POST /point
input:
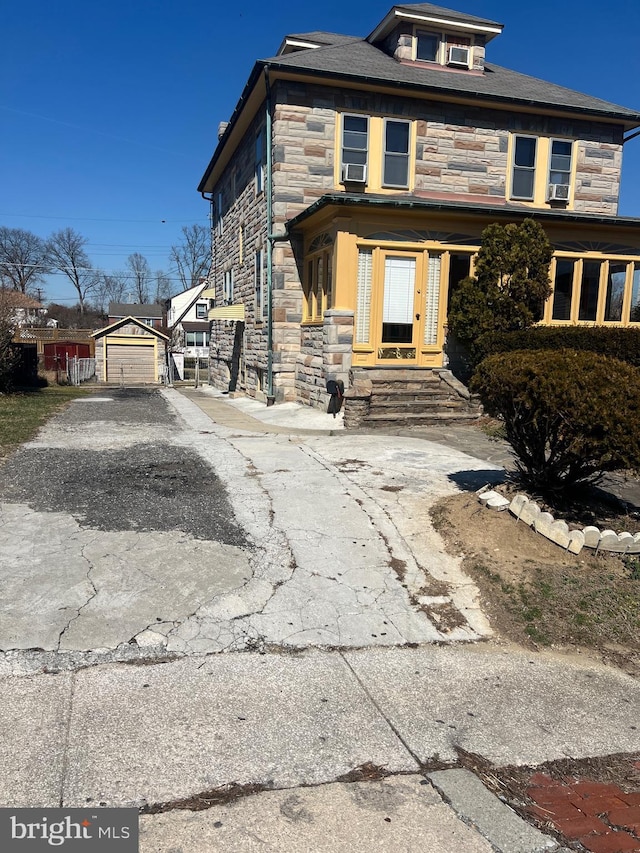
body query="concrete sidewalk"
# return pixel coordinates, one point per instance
(153, 736)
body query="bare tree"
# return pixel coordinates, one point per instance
(67, 255)
(140, 276)
(23, 259)
(112, 287)
(163, 287)
(192, 256)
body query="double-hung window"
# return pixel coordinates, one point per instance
(395, 169)
(524, 168)
(375, 152)
(541, 169)
(355, 146)
(201, 311)
(560, 167)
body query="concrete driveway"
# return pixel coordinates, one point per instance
(147, 527)
(134, 526)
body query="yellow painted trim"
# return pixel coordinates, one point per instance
(541, 170)
(227, 312)
(208, 293)
(375, 158)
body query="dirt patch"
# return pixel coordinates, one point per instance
(536, 594)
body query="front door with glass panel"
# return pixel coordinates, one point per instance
(398, 334)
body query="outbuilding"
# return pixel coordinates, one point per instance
(130, 352)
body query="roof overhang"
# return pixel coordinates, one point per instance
(107, 330)
(345, 204)
(290, 45)
(227, 312)
(489, 29)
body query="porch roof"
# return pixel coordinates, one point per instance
(417, 203)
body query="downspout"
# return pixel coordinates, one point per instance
(271, 237)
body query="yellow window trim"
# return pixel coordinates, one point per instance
(375, 151)
(541, 169)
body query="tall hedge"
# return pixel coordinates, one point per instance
(616, 342)
(569, 416)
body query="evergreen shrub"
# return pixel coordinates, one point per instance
(569, 416)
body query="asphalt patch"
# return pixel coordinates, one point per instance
(144, 487)
(128, 406)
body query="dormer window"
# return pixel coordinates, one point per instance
(427, 46)
(442, 48)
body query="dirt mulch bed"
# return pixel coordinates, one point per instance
(536, 594)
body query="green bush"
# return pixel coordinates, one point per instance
(616, 342)
(510, 285)
(569, 416)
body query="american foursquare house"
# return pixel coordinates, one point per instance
(349, 191)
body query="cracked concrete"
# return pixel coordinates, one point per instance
(202, 539)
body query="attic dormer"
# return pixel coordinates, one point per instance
(429, 35)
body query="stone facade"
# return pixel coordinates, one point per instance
(460, 150)
(461, 154)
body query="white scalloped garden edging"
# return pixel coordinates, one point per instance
(544, 523)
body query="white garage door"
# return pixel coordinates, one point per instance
(130, 364)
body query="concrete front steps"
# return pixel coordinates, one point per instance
(406, 397)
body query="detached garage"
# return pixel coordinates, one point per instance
(130, 352)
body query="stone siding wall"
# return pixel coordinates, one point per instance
(325, 353)
(237, 350)
(460, 151)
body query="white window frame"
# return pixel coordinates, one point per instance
(394, 154)
(569, 174)
(532, 169)
(367, 118)
(227, 287)
(201, 310)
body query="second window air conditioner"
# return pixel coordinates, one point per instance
(355, 173)
(459, 56)
(559, 192)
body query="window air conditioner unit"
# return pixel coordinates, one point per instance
(459, 56)
(355, 173)
(559, 192)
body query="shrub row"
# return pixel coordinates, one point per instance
(623, 344)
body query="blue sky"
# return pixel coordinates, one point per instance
(109, 110)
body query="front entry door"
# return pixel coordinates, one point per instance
(398, 338)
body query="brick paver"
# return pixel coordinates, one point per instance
(602, 817)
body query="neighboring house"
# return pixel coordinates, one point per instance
(350, 188)
(130, 352)
(25, 310)
(150, 315)
(188, 322)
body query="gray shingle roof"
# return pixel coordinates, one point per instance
(441, 12)
(129, 309)
(359, 60)
(320, 37)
